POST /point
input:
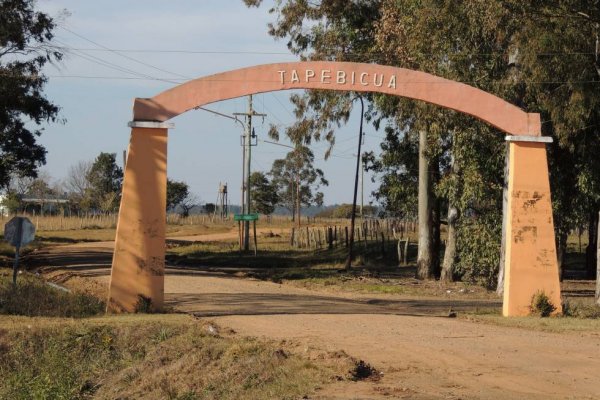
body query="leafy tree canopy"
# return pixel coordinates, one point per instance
(263, 193)
(105, 178)
(177, 192)
(297, 180)
(25, 47)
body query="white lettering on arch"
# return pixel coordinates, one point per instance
(309, 74)
(392, 83)
(339, 77)
(295, 77)
(377, 82)
(363, 79)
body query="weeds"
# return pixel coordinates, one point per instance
(580, 310)
(144, 305)
(362, 371)
(154, 356)
(32, 297)
(541, 305)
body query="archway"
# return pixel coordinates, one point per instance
(139, 256)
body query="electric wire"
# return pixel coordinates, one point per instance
(122, 55)
(256, 52)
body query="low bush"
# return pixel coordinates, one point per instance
(541, 305)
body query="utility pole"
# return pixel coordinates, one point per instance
(247, 143)
(360, 140)
(362, 185)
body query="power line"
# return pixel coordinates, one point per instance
(110, 65)
(232, 52)
(122, 55)
(256, 52)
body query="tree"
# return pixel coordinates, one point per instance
(105, 178)
(297, 179)
(78, 185)
(345, 211)
(25, 47)
(188, 203)
(263, 193)
(539, 55)
(177, 192)
(210, 208)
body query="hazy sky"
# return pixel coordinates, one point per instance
(175, 40)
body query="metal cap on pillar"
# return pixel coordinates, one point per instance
(532, 139)
(151, 124)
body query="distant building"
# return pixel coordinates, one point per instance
(47, 205)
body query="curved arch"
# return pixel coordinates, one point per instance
(342, 76)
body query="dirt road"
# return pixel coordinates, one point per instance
(441, 358)
(421, 357)
(421, 354)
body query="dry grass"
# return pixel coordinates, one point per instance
(33, 297)
(397, 281)
(166, 357)
(552, 324)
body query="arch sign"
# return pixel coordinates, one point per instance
(138, 265)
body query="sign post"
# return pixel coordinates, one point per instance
(247, 218)
(19, 231)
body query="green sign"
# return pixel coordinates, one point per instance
(245, 217)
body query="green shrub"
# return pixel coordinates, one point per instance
(478, 244)
(541, 304)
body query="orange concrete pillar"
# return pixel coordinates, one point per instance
(137, 275)
(530, 259)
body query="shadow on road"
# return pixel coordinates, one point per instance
(220, 304)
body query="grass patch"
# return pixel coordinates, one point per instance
(170, 357)
(33, 297)
(276, 253)
(394, 281)
(578, 317)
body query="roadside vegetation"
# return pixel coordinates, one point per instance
(32, 297)
(44, 355)
(585, 319)
(152, 356)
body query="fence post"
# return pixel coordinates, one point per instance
(346, 235)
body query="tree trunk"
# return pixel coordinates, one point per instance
(447, 273)
(298, 199)
(561, 251)
(502, 261)
(424, 256)
(436, 220)
(292, 203)
(590, 259)
(598, 263)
